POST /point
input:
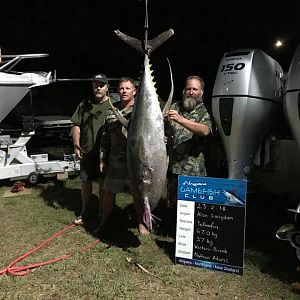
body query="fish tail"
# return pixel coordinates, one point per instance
(139, 46)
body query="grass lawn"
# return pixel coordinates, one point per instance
(126, 266)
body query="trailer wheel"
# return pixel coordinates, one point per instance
(33, 178)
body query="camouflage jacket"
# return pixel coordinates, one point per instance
(186, 154)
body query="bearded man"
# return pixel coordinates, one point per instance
(190, 123)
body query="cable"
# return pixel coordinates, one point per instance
(23, 270)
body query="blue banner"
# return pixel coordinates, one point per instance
(210, 228)
(212, 190)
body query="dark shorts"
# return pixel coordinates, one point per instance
(89, 167)
(115, 185)
(116, 179)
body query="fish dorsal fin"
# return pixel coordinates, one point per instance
(170, 98)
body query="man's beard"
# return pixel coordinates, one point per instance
(189, 103)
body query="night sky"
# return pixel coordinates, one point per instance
(79, 35)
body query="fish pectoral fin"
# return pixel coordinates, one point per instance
(131, 41)
(124, 131)
(147, 174)
(119, 116)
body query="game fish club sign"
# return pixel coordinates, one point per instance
(210, 227)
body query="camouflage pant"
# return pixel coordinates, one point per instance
(189, 165)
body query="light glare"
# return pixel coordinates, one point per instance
(278, 44)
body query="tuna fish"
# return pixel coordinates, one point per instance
(146, 149)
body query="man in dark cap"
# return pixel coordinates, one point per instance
(87, 121)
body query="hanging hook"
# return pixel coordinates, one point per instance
(146, 27)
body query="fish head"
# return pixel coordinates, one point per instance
(145, 188)
(149, 201)
(147, 218)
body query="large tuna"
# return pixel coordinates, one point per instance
(146, 149)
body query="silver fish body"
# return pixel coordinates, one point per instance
(146, 150)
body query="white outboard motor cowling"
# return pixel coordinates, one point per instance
(291, 100)
(247, 100)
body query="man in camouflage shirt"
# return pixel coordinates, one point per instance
(190, 124)
(113, 156)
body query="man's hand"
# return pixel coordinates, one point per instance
(173, 115)
(76, 141)
(78, 151)
(102, 166)
(200, 129)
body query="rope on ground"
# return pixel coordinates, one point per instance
(23, 270)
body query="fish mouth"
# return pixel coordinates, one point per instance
(147, 219)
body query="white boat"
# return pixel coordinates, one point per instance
(15, 162)
(15, 85)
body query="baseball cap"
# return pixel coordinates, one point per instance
(101, 78)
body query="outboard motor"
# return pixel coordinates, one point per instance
(291, 104)
(291, 100)
(246, 102)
